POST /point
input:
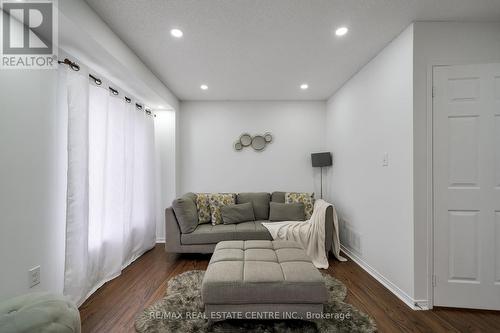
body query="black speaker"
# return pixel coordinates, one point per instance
(320, 160)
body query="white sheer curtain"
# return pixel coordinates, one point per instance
(110, 198)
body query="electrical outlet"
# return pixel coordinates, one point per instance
(34, 276)
(385, 160)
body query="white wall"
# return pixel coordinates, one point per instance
(165, 140)
(370, 115)
(357, 177)
(33, 183)
(439, 43)
(208, 162)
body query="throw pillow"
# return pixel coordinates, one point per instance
(186, 212)
(237, 213)
(203, 207)
(278, 197)
(259, 201)
(305, 198)
(286, 212)
(218, 200)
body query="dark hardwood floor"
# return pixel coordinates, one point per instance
(114, 306)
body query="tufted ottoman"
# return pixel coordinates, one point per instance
(261, 279)
(39, 312)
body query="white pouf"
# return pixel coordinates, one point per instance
(39, 312)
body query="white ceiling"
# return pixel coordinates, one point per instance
(263, 49)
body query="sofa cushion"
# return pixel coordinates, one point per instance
(278, 197)
(260, 202)
(305, 198)
(237, 213)
(286, 212)
(217, 201)
(212, 234)
(209, 234)
(203, 207)
(251, 230)
(186, 212)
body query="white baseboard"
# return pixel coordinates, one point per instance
(413, 304)
(422, 304)
(160, 240)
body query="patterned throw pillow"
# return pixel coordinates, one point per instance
(305, 198)
(218, 200)
(203, 207)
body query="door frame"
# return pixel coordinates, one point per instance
(430, 182)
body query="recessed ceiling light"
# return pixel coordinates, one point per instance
(177, 33)
(203, 87)
(304, 86)
(341, 31)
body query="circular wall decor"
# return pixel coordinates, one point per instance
(258, 142)
(268, 137)
(246, 140)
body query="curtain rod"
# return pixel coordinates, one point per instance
(74, 66)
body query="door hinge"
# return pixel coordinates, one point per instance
(433, 91)
(434, 280)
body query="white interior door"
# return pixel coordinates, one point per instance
(466, 149)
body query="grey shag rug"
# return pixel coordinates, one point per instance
(181, 311)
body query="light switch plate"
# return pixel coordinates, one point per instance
(34, 276)
(385, 160)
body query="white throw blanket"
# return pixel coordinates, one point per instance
(310, 234)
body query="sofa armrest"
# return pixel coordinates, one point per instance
(172, 232)
(328, 230)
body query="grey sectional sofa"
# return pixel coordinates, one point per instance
(183, 235)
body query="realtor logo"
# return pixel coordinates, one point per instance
(29, 34)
